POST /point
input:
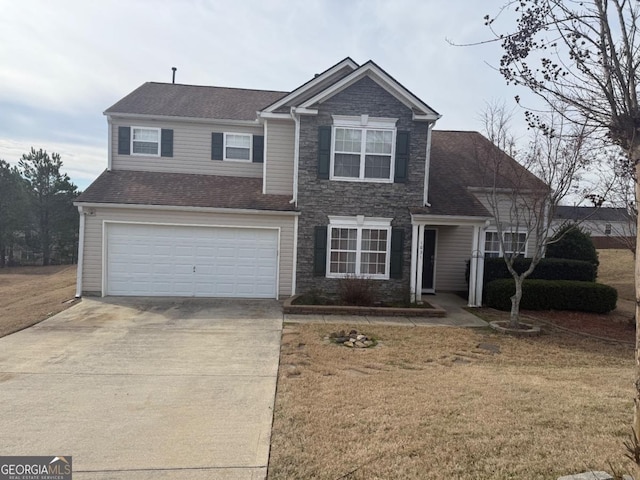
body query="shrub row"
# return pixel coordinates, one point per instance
(547, 269)
(552, 295)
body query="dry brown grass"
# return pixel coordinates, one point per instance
(428, 403)
(617, 269)
(29, 295)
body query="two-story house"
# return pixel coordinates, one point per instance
(223, 192)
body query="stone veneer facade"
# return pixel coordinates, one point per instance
(318, 198)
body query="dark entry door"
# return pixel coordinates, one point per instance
(429, 259)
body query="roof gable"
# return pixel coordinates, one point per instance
(421, 110)
(318, 83)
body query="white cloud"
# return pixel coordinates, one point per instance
(64, 62)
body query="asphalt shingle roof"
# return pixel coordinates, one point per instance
(191, 101)
(606, 214)
(462, 159)
(185, 190)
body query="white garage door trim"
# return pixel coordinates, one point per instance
(105, 247)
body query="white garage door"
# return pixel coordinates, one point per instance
(158, 260)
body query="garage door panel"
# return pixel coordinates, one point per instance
(191, 261)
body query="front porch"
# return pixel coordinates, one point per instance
(440, 250)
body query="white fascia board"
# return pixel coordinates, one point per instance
(446, 220)
(274, 116)
(177, 208)
(347, 62)
(389, 84)
(169, 118)
(306, 111)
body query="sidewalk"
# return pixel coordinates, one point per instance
(453, 304)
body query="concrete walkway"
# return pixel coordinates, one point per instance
(453, 304)
(145, 388)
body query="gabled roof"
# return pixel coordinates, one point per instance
(126, 187)
(192, 101)
(460, 163)
(318, 83)
(421, 110)
(605, 214)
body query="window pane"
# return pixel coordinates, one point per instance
(373, 264)
(346, 165)
(348, 140)
(238, 153)
(145, 148)
(492, 244)
(243, 141)
(145, 135)
(379, 141)
(343, 262)
(374, 240)
(377, 166)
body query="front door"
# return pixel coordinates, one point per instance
(428, 260)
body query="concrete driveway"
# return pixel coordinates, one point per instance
(145, 388)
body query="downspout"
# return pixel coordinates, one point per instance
(264, 159)
(296, 155)
(427, 164)
(295, 256)
(109, 145)
(80, 254)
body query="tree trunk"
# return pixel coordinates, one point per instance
(514, 317)
(635, 156)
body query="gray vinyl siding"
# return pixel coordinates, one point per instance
(93, 261)
(280, 156)
(191, 150)
(453, 250)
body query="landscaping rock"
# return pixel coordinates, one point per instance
(353, 340)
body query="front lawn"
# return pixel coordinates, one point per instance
(441, 403)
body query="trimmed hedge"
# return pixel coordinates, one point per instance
(547, 269)
(552, 295)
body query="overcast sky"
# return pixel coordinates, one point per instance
(63, 62)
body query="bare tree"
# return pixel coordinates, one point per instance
(524, 208)
(585, 56)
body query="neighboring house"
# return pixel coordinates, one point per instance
(609, 227)
(224, 192)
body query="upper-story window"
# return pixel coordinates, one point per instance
(607, 229)
(363, 149)
(145, 141)
(237, 146)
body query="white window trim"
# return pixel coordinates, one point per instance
(363, 123)
(159, 130)
(501, 253)
(224, 147)
(359, 223)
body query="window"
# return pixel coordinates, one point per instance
(145, 141)
(363, 149)
(359, 246)
(513, 242)
(237, 146)
(607, 229)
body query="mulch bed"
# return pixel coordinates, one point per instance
(617, 325)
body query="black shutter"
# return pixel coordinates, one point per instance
(258, 149)
(324, 151)
(319, 251)
(402, 157)
(166, 142)
(217, 140)
(124, 140)
(397, 249)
